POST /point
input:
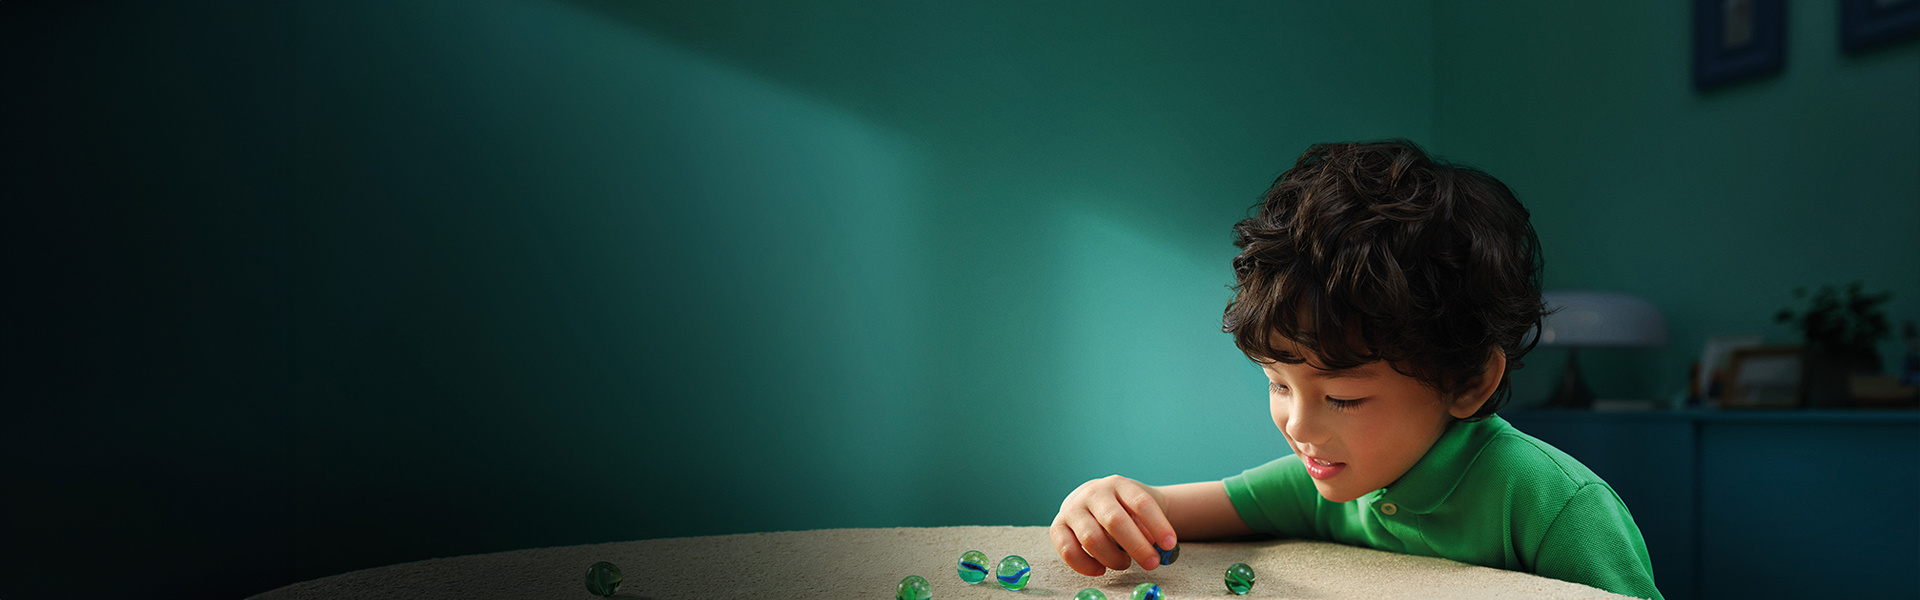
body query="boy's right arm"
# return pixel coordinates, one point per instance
(1112, 522)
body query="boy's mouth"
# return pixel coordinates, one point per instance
(1322, 469)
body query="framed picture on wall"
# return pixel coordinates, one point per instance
(1737, 40)
(1865, 24)
(1764, 377)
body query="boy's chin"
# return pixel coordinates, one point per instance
(1335, 493)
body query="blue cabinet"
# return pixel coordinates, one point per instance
(1740, 504)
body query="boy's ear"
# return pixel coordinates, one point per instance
(1481, 388)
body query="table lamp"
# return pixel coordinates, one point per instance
(1587, 319)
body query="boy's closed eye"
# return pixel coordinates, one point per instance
(1336, 403)
(1339, 404)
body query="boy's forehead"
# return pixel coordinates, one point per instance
(1287, 347)
(1366, 371)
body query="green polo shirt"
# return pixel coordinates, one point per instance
(1485, 494)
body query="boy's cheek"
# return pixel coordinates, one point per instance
(1281, 424)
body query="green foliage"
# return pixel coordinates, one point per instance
(1840, 324)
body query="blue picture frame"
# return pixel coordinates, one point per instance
(1867, 24)
(1737, 40)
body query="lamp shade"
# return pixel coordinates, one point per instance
(1601, 319)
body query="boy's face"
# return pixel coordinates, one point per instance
(1357, 430)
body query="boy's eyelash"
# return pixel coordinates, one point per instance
(1337, 403)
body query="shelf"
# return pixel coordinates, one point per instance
(1750, 503)
(1861, 416)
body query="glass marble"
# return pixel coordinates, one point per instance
(914, 587)
(973, 566)
(1168, 556)
(1090, 594)
(603, 579)
(1239, 579)
(1148, 591)
(1013, 572)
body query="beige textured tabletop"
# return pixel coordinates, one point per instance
(868, 563)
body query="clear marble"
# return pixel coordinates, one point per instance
(914, 587)
(1013, 572)
(1090, 594)
(1148, 591)
(973, 566)
(603, 579)
(1168, 556)
(1239, 579)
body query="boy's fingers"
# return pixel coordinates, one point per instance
(1097, 542)
(1119, 524)
(1068, 546)
(1152, 517)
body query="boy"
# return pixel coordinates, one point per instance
(1387, 295)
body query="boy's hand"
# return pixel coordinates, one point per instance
(1110, 523)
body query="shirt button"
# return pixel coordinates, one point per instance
(1389, 508)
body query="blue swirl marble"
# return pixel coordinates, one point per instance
(1148, 591)
(973, 566)
(1013, 572)
(1168, 556)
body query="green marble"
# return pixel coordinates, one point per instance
(1013, 572)
(914, 587)
(973, 566)
(1148, 591)
(1239, 579)
(603, 579)
(1090, 594)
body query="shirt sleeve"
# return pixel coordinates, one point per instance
(1594, 541)
(1276, 498)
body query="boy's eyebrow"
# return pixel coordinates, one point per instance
(1353, 373)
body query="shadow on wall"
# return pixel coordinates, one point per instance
(473, 280)
(638, 293)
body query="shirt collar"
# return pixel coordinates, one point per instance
(1431, 480)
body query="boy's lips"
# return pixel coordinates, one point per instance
(1322, 469)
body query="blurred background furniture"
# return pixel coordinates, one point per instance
(1589, 319)
(1759, 504)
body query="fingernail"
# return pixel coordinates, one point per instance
(1166, 543)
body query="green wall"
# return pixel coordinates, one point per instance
(1713, 205)
(319, 286)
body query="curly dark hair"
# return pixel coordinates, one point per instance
(1376, 251)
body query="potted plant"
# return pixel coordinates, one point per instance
(1841, 329)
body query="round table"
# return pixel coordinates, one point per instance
(868, 563)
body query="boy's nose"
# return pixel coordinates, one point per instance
(1303, 425)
